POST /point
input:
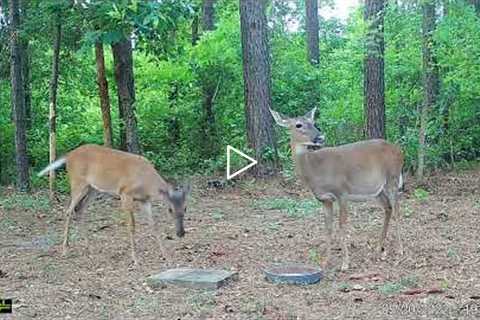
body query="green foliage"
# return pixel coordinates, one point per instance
(171, 76)
(395, 287)
(295, 208)
(23, 201)
(421, 194)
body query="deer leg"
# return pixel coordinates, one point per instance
(78, 193)
(328, 204)
(342, 232)
(385, 201)
(80, 210)
(147, 208)
(127, 205)
(83, 203)
(396, 218)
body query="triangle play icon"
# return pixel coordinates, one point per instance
(251, 164)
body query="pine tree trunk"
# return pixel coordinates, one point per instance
(27, 80)
(430, 81)
(123, 60)
(374, 74)
(312, 27)
(476, 5)
(257, 82)
(53, 103)
(208, 16)
(103, 93)
(209, 88)
(195, 36)
(18, 99)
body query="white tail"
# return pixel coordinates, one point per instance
(359, 171)
(53, 166)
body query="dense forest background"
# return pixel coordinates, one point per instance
(188, 94)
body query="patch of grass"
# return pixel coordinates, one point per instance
(296, 208)
(407, 211)
(343, 286)
(148, 305)
(476, 204)
(7, 224)
(421, 194)
(253, 307)
(314, 256)
(218, 215)
(452, 253)
(25, 201)
(273, 226)
(402, 284)
(390, 288)
(201, 301)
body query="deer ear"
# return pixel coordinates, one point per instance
(279, 119)
(310, 115)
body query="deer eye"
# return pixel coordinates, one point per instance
(298, 125)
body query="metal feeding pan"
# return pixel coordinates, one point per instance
(293, 273)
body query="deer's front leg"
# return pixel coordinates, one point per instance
(328, 204)
(147, 209)
(342, 232)
(127, 206)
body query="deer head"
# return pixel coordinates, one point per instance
(303, 131)
(177, 200)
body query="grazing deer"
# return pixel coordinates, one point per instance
(370, 169)
(94, 168)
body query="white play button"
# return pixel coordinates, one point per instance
(251, 164)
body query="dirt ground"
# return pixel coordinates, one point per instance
(245, 228)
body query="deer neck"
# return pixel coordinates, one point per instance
(299, 152)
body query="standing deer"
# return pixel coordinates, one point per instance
(93, 168)
(360, 171)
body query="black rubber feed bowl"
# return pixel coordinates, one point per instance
(293, 274)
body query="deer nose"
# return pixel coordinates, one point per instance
(319, 139)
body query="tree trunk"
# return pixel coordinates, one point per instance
(26, 63)
(257, 82)
(430, 80)
(123, 60)
(53, 102)
(18, 99)
(103, 93)
(208, 16)
(374, 76)
(476, 5)
(195, 36)
(27, 80)
(209, 88)
(312, 27)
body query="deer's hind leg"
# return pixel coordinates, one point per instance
(78, 192)
(343, 217)
(128, 208)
